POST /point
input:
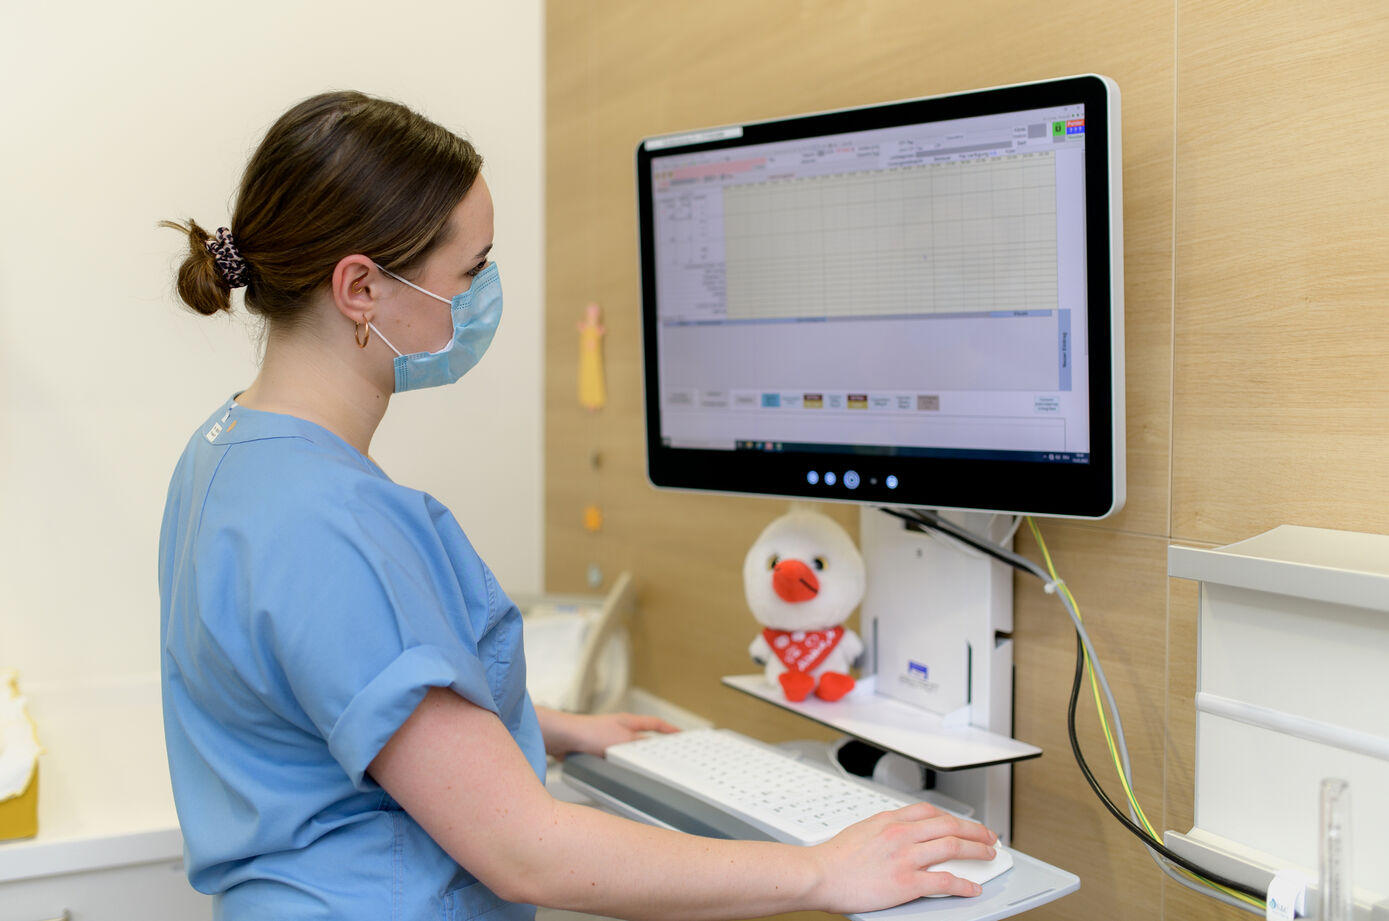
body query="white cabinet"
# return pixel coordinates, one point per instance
(108, 847)
(142, 892)
(1294, 650)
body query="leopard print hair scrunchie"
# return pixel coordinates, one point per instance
(230, 264)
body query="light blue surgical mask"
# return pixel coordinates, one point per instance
(476, 314)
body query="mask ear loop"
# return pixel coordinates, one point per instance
(437, 297)
(397, 351)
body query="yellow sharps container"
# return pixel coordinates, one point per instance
(19, 763)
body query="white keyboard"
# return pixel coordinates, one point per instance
(766, 787)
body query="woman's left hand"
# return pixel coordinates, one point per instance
(593, 733)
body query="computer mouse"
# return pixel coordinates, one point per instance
(977, 871)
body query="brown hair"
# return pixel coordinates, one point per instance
(339, 173)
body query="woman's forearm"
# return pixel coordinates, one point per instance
(590, 861)
(454, 767)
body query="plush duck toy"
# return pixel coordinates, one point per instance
(803, 578)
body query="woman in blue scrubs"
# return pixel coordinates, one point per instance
(348, 729)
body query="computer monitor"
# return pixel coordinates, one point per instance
(918, 303)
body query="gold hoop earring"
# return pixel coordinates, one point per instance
(362, 338)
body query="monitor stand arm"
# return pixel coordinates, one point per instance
(937, 621)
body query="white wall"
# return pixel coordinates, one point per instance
(116, 115)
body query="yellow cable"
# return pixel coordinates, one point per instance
(1109, 738)
(1094, 686)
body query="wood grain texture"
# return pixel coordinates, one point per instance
(1057, 818)
(1281, 379)
(1258, 390)
(618, 71)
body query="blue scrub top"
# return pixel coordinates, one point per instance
(306, 605)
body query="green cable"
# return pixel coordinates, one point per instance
(1109, 738)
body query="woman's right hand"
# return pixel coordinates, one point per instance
(883, 860)
(455, 768)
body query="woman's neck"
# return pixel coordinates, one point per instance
(327, 386)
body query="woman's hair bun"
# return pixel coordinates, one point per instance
(200, 284)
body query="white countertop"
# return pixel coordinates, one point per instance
(104, 794)
(1316, 564)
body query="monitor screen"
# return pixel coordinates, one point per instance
(917, 303)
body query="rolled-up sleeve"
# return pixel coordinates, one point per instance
(388, 699)
(364, 613)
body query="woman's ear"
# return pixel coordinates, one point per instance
(352, 292)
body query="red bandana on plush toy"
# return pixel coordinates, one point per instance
(803, 650)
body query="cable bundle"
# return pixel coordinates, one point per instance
(1187, 873)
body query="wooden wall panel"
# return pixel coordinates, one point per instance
(619, 71)
(622, 70)
(1281, 377)
(1057, 817)
(1258, 390)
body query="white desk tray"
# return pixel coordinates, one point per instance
(1029, 884)
(890, 724)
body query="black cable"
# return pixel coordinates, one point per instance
(1118, 814)
(932, 522)
(922, 524)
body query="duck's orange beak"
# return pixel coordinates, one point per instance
(794, 581)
